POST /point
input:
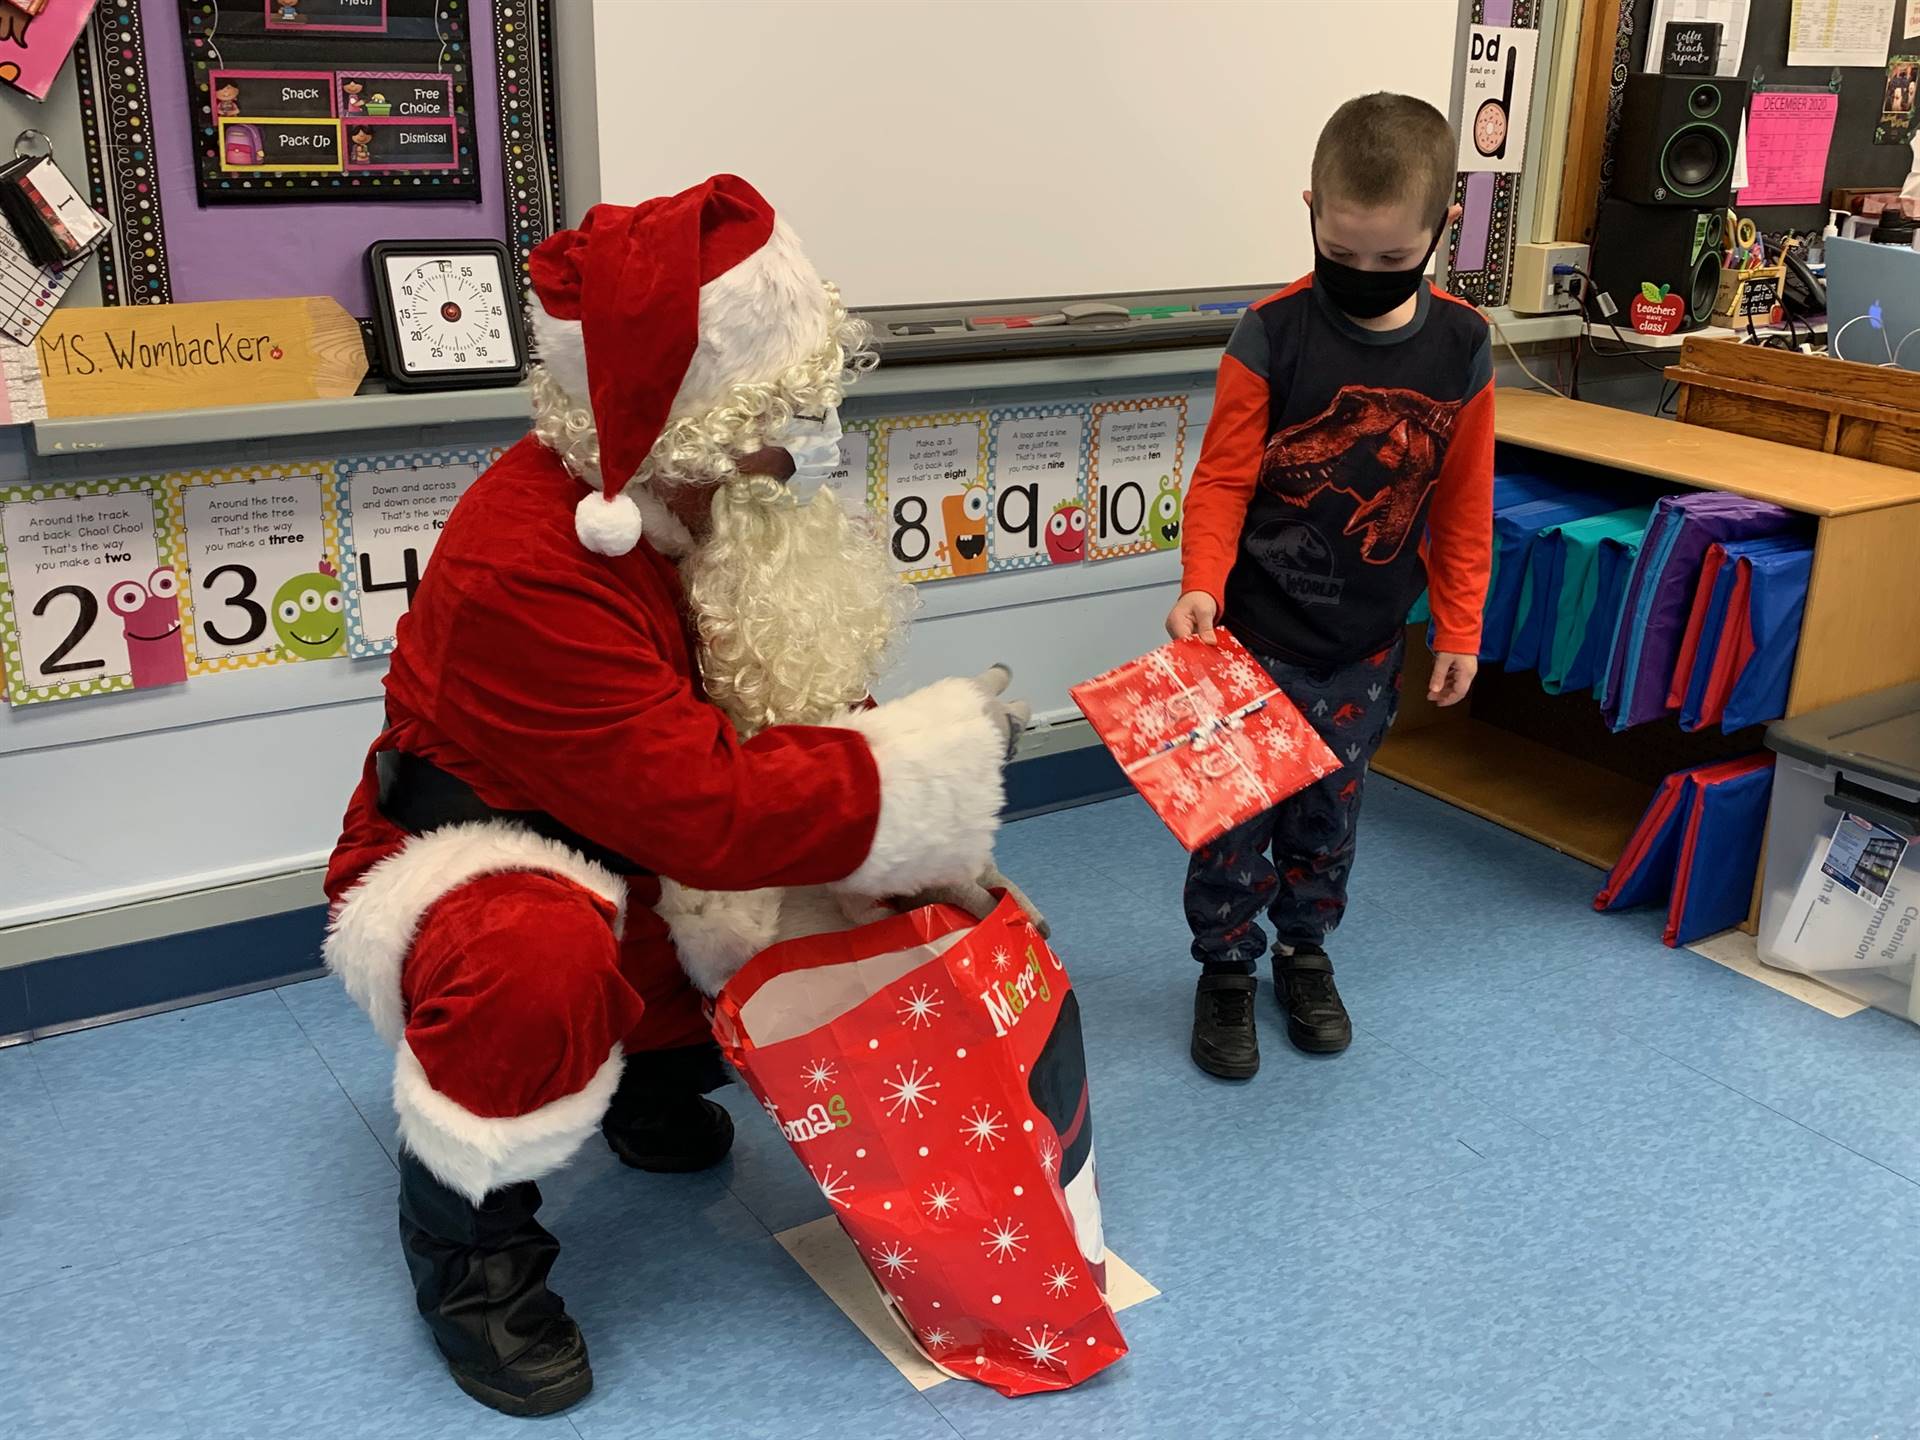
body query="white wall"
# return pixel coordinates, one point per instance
(930, 150)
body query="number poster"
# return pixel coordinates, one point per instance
(392, 508)
(263, 582)
(133, 583)
(88, 590)
(931, 492)
(1136, 486)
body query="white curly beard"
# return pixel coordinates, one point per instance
(797, 612)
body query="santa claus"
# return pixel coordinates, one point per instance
(626, 722)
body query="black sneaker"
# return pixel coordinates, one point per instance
(1316, 1019)
(1223, 1040)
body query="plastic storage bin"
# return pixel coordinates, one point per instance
(1861, 757)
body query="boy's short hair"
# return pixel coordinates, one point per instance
(1382, 149)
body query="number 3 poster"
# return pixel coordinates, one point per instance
(88, 598)
(262, 586)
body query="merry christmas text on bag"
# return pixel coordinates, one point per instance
(928, 1071)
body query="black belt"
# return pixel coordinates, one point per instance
(418, 796)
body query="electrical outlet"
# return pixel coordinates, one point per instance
(1536, 289)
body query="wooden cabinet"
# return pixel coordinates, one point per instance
(1865, 412)
(1561, 778)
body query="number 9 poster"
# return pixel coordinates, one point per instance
(263, 582)
(88, 596)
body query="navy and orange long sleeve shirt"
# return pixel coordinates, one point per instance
(1344, 469)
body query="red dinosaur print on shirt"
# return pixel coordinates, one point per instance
(1363, 434)
(1347, 714)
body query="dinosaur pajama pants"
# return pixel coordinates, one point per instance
(1293, 861)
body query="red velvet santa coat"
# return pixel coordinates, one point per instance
(552, 679)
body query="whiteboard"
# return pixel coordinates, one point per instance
(932, 151)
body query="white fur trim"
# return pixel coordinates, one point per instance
(476, 1153)
(559, 346)
(717, 932)
(942, 785)
(663, 528)
(374, 928)
(607, 526)
(766, 314)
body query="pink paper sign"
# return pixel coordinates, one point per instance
(1788, 136)
(36, 46)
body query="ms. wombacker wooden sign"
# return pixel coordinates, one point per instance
(113, 360)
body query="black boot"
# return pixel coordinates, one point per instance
(480, 1279)
(660, 1118)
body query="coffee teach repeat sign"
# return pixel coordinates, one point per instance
(117, 360)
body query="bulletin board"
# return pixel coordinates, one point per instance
(168, 245)
(297, 100)
(1855, 160)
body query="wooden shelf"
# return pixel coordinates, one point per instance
(1547, 795)
(1803, 480)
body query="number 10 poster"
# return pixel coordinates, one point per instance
(263, 584)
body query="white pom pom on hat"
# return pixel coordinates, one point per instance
(607, 524)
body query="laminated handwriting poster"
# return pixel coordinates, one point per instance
(1037, 456)
(392, 509)
(930, 488)
(262, 584)
(1136, 484)
(88, 594)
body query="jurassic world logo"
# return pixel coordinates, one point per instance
(1299, 559)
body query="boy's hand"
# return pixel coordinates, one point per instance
(1193, 614)
(1452, 678)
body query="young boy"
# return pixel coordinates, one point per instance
(1349, 462)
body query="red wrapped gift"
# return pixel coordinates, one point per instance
(928, 1071)
(1205, 735)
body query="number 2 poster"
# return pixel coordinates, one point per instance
(392, 509)
(88, 600)
(262, 584)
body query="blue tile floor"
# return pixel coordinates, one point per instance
(1567, 1183)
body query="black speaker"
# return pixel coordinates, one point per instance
(1677, 138)
(1676, 250)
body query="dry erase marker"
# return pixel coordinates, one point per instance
(1225, 307)
(1159, 312)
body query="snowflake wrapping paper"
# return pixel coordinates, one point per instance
(1205, 735)
(928, 1071)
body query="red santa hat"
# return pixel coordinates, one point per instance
(651, 312)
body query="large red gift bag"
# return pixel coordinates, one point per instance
(1205, 735)
(927, 1069)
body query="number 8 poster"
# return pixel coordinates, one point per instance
(88, 601)
(263, 582)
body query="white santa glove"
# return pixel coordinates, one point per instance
(1015, 715)
(978, 899)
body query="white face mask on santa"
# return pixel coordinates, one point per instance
(814, 443)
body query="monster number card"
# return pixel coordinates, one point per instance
(1137, 475)
(852, 480)
(392, 509)
(262, 585)
(88, 596)
(1039, 466)
(931, 492)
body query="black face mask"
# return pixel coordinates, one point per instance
(1368, 294)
